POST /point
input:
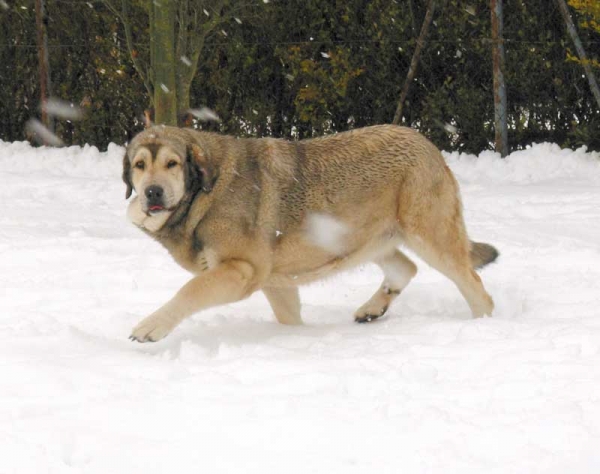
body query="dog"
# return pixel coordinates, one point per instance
(266, 214)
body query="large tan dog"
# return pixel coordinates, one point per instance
(263, 214)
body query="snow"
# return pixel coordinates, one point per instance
(425, 390)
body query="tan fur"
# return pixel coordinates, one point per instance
(239, 210)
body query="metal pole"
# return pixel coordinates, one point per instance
(41, 21)
(500, 105)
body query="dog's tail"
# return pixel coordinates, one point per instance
(482, 254)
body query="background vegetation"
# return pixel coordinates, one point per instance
(299, 68)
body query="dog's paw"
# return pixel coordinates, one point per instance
(374, 309)
(368, 317)
(151, 329)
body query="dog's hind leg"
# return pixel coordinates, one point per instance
(398, 270)
(457, 267)
(431, 218)
(285, 302)
(447, 249)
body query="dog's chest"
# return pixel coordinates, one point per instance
(189, 253)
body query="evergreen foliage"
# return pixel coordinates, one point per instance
(301, 68)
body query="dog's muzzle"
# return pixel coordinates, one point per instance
(154, 198)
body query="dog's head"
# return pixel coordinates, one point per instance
(164, 165)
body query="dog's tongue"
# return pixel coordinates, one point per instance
(156, 208)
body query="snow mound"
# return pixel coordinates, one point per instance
(537, 163)
(74, 161)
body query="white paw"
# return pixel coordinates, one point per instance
(364, 315)
(151, 329)
(372, 309)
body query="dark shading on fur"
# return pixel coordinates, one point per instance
(127, 176)
(199, 169)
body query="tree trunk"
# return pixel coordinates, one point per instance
(564, 10)
(183, 99)
(500, 107)
(412, 70)
(163, 62)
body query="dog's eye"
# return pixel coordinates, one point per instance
(171, 164)
(140, 165)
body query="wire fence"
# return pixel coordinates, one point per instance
(298, 69)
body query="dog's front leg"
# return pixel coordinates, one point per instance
(228, 282)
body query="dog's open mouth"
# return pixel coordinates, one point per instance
(156, 208)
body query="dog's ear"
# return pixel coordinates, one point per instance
(127, 176)
(200, 170)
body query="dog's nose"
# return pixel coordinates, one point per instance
(154, 193)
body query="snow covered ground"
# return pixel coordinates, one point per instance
(426, 390)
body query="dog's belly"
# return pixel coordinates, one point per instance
(298, 262)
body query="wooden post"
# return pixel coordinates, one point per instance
(500, 106)
(564, 10)
(412, 70)
(41, 21)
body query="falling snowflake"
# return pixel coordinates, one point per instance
(63, 109)
(205, 114)
(450, 128)
(185, 60)
(326, 232)
(41, 134)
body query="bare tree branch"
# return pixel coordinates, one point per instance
(197, 21)
(113, 9)
(564, 10)
(197, 40)
(123, 15)
(412, 70)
